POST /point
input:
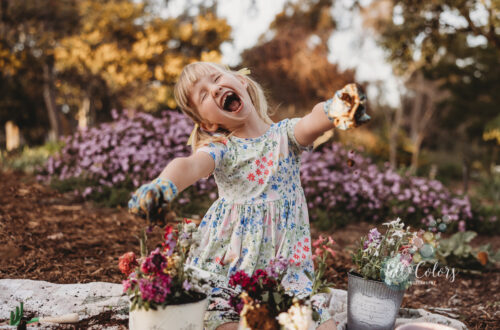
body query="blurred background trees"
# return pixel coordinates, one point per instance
(68, 63)
(291, 60)
(65, 64)
(448, 53)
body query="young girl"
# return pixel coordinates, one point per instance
(261, 213)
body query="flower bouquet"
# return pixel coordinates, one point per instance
(383, 270)
(265, 304)
(162, 293)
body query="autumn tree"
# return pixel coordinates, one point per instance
(136, 65)
(293, 64)
(29, 32)
(89, 56)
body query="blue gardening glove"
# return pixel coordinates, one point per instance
(347, 108)
(151, 200)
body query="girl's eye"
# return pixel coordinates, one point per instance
(217, 78)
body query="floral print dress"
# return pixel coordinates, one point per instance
(261, 214)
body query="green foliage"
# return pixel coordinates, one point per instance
(489, 188)
(15, 318)
(117, 195)
(485, 202)
(456, 251)
(29, 159)
(418, 36)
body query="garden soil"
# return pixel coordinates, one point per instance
(46, 235)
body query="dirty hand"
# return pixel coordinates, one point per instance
(151, 200)
(347, 108)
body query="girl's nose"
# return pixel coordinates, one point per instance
(216, 90)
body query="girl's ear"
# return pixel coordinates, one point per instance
(212, 127)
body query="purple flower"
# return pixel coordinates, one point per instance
(186, 285)
(277, 266)
(374, 235)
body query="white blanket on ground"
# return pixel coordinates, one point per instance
(49, 299)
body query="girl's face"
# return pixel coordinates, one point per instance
(222, 101)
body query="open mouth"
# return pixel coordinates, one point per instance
(231, 102)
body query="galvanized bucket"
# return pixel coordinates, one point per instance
(371, 305)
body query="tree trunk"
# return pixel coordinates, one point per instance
(417, 143)
(12, 136)
(465, 175)
(84, 113)
(393, 136)
(414, 129)
(50, 101)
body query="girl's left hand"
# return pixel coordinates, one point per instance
(347, 108)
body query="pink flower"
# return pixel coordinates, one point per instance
(127, 284)
(319, 241)
(154, 263)
(155, 290)
(331, 251)
(461, 225)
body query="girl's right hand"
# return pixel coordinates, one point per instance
(347, 108)
(152, 199)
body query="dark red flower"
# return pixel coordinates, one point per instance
(239, 278)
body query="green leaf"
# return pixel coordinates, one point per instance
(277, 298)
(309, 275)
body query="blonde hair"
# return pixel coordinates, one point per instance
(194, 72)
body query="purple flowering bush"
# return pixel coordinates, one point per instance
(110, 161)
(343, 186)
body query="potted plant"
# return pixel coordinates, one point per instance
(383, 270)
(162, 293)
(261, 297)
(264, 303)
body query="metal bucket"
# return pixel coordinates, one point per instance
(371, 305)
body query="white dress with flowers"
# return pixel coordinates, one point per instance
(261, 214)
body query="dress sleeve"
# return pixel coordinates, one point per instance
(216, 150)
(290, 131)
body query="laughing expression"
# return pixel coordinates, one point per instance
(220, 98)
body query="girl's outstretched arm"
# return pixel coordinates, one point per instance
(346, 109)
(150, 199)
(312, 125)
(185, 171)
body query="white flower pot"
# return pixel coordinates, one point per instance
(172, 317)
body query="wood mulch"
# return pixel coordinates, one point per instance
(46, 235)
